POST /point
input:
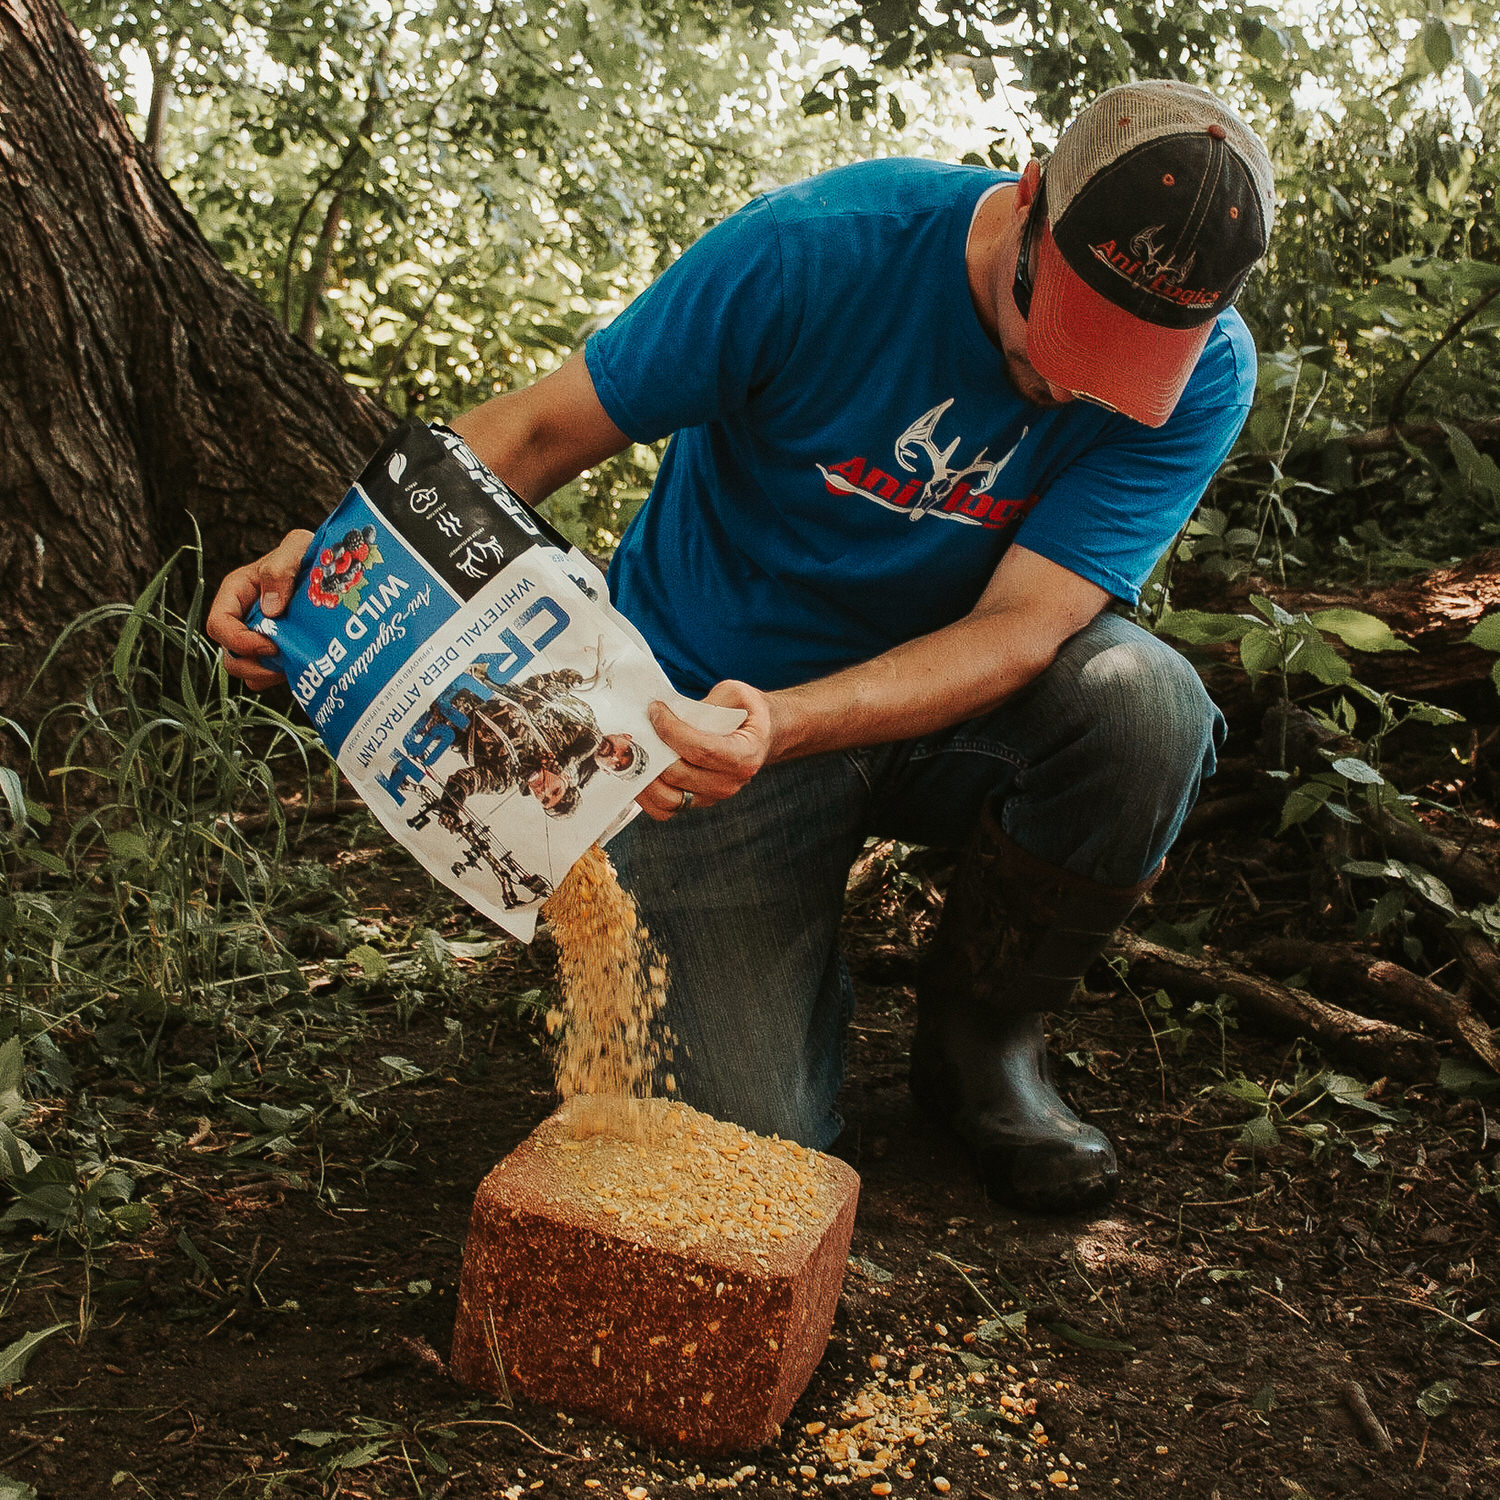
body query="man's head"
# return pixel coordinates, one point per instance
(620, 755)
(1139, 232)
(556, 794)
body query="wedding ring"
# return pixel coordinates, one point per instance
(687, 800)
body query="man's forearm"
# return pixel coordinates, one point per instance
(921, 686)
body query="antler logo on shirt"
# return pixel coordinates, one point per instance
(958, 493)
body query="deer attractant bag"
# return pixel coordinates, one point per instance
(464, 665)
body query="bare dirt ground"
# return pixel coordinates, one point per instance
(1304, 1307)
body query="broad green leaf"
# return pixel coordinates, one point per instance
(1368, 869)
(372, 963)
(403, 1067)
(1260, 1134)
(1351, 1092)
(1200, 628)
(14, 1356)
(1302, 802)
(1351, 768)
(1486, 634)
(1243, 1089)
(315, 1437)
(1427, 885)
(1271, 610)
(15, 1489)
(129, 845)
(1358, 630)
(1260, 652)
(1313, 655)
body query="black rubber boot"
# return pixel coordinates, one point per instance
(1016, 937)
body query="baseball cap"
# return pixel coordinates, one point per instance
(1158, 201)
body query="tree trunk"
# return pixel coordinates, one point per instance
(141, 386)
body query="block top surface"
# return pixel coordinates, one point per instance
(692, 1186)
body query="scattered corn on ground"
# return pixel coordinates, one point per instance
(692, 1180)
(893, 1436)
(614, 983)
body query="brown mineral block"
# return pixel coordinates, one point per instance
(682, 1288)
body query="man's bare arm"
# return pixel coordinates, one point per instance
(1030, 607)
(535, 439)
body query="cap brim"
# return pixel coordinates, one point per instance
(1082, 342)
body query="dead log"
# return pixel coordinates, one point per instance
(1340, 966)
(1432, 612)
(1467, 874)
(1377, 1047)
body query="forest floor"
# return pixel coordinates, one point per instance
(281, 1328)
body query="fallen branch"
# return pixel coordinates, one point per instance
(1420, 435)
(1376, 1046)
(1340, 966)
(1369, 1424)
(1464, 872)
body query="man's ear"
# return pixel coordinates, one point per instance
(1026, 187)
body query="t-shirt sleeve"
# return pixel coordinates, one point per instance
(1112, 512)
(702, 338)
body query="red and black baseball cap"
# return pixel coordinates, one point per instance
(1158, 201)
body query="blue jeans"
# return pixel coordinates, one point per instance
(1094, 766)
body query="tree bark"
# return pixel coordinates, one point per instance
(142, 387)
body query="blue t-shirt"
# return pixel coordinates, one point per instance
(850, 460)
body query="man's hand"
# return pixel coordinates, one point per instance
(269, 579)
(712, 766)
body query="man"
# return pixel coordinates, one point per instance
(536, 735)
(929, 421)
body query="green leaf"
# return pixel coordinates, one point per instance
(315, 1437)
(373, 964)
(129, 846)
(1199, 628)
(194, 1254)
(279, 1120)
(1088, 1340)
(14, 1356)
(1368, 869)
(12, 1066)
(1260, 1134)
(1310, 653)
(1260, 652)
(1474, 89)
(1358, 630)
(403, 1067)
(1351, 768)
(358, 1457)
(1439, 44)
(1486, 634)
(1350, 1092)
(998, 1330)
(1243, 1089)
(1437, 1398)
(135, 622)
(1302, 802)
(15, 1489)
(1427, 885)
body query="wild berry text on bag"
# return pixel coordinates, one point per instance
(465, 667)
